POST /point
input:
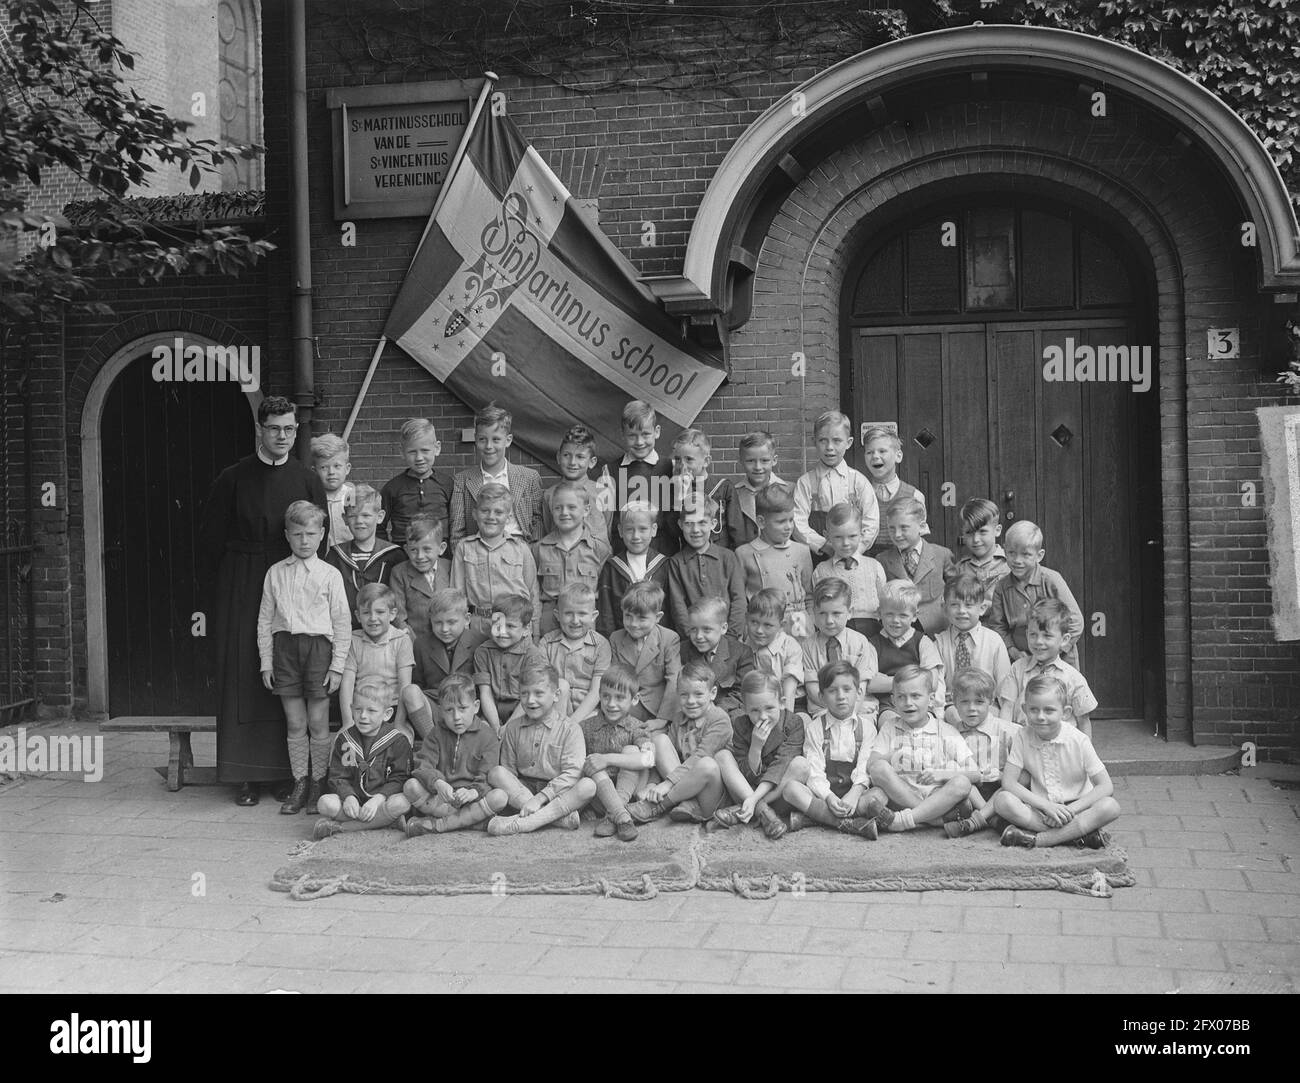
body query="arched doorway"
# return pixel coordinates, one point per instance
(150, 451)
(950, 318)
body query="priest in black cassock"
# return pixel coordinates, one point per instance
(242, 536)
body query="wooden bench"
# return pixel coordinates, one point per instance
(180, 767)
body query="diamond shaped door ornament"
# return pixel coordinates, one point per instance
(1062, 435)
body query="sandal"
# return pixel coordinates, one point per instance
(727, 817)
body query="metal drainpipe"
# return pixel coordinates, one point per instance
(304, 376)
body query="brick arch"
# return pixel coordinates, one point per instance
(140, 326)
(779, 146)
(1012, 148)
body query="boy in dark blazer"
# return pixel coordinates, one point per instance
(492, 435)
(927, 565)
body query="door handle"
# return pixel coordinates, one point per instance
(1009, 498)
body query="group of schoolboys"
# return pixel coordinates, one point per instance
(583, 653)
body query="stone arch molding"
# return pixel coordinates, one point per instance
(762, 158)
(92, 413)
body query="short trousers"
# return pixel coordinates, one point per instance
(300, 664)
(535, 785)
(988, 789)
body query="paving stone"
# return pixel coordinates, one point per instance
(754, 938)
(871, 944)
(589, 962)
(1033, 948)
(1219, 879)
(1192, 840)
(558, 932)
(1015, 921)
(1159, 900)
(1173, 954)
(1213, 926)
(1263, 903)
(659, 934)
(775, 970)
(1261, 955)
(675, 964)
(1109, 980)
(974, 947)
(1112, 923)
(1259, 859)
(1287, 882)
(939, 919)
(1016, 977)
(814, 909)
(897, 975)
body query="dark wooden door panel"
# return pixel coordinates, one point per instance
(1060, 453)
(162, 445)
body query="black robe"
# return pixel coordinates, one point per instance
(242, 536)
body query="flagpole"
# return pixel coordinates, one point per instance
(490, 78)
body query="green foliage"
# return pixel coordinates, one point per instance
(63, 105)
(1245, 51)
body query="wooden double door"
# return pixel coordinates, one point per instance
(1080, 459)
(162, 446)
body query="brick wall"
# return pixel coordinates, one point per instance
(1225, 673)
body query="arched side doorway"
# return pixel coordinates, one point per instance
(150, 450)
(948, 319)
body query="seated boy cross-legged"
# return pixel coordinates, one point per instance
(618, 746)
(542, 754)
(829, 783)
(449, 783)
(369, 765)
(1055, 789)
(766, 739)
(684, 753)
(919, 761)
(989, 739)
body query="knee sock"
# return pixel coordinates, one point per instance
(903, 821)
(421, 720)
(818, 811)
(568, 801)
(614, 802)
(299, 748)
(320, 757)
(382, 819)
(466, 816)
(628, 783)
(518, 794)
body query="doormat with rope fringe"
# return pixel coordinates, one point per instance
(744, 861)
(672, 857)
(552, 861)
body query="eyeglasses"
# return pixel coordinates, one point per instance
(281, 430)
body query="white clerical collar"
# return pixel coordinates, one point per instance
(271, 462)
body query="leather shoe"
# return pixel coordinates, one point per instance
(297, 799)
(315, 787)
(248, 795)
(282, 790)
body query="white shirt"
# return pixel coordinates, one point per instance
(500, 478)
(987, 652)
(825, 486)
(1011, 693)
(990, 744)
(782, 658)
(1061, 769)
(636, 564)
(824, 732)
(304, 597)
